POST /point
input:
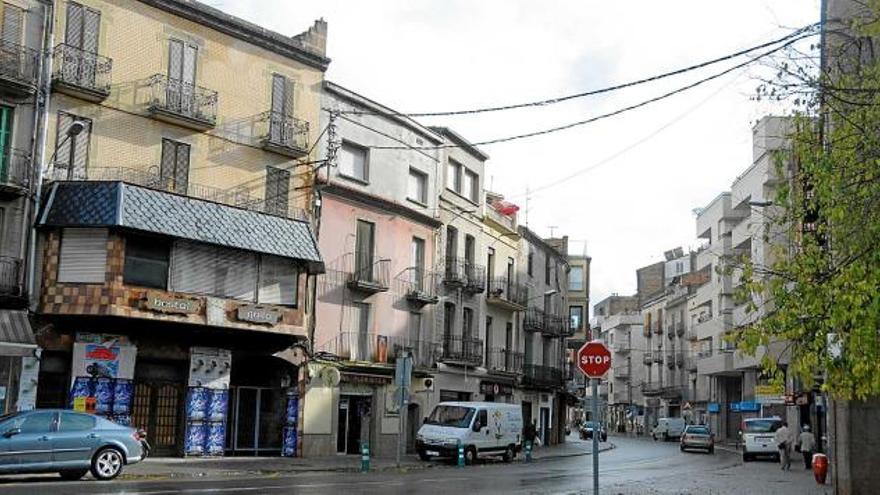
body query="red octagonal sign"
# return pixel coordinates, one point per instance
(594, 359)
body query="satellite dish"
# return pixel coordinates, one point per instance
(330, 376)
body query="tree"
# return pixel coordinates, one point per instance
(821, 291)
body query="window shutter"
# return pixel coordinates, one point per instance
(192, 268)
(80, 142)
(73, 29)
(12, 19)
(189, 64)
(278, 279)
(288, 97)
(215, 271)
(83, 257)
(277, 190)
(236, 274)
(91, 26)
(277, 113)
(175, 60)
(181, 168)
(166, 167)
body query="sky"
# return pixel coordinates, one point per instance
(634, 180)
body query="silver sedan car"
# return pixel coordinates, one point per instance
(67, 442)
(698, 437)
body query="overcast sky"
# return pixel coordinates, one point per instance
(669, 157)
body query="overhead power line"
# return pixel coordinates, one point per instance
(795, 34)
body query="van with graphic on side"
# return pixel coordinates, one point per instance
(481, 428)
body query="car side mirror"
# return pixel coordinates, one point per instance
(425, 420)
(477, 426)
(12, 432)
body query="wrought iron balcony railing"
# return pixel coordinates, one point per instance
(507, 293)
(454, 273)
(647, 358)
(651, 389)
(10, 273)
(285, 134)
(418, 286)
(475, 276)
(542, 376)
(368, 273)
(15, 171)
(535, 320)
(182, 102)
(85, 73)
(462, 350)
(382, 349)
(18, 67)
(670, 359)
(502, 360)
(658, 356)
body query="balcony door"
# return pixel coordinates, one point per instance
(282, 109)
(79, 64)
(5, 142)
(180, 92)
(364, 256)
(508, 346)
(10, 36)
(417, 274)
(359, 336)
(490, 265)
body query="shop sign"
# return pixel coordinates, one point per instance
(802, 399)
(770, 394)
(495, 388)
(254, 313)
(163, 302)
(360, 379)
(713, 407)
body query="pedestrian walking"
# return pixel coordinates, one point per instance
(530, 433)
(783, 443)
(807, 443)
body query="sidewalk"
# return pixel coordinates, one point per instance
(196, 467)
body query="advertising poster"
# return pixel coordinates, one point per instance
(107, 357)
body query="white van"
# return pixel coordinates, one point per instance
(759, 437)
(668, 429)
(488, 428)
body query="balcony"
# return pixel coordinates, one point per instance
(679, 329)
(555, 325)
(15, 173)
(505, 361)
(463, 351)
(691, 364)
(454, 273)
(647, 358)
(708, 327)
(18, 69)
(622, 348)
(81, 74)
(507, 294)
(542, 376)
(670, 360)
(535, 320)
(370, 274)
(657, 356)
(670, 332)
(651, 389)
(475, 278)
(380, 349)
(658, 328)
(621, 372)
(284, 134)
(620, 397)
(182, 103)
(717, 363)
(679, 359)
(418, 286)
(10, 277)
(673, 392)
(691, 335)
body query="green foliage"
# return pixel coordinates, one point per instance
(821, 291)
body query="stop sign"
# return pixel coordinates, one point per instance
(594, 359)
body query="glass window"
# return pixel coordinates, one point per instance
(576, 278)
(39, 422)
(762, 426)
(576, 316)
(214, 271)
(278, 281)
(454, 416)
(418, 186)
(471, 187)
(146, 261)
(353, 162)
(71, 421)
(483, 418)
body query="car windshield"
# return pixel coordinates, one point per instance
(455, 416)
(589, 424)
(762, 426)
(698, 430)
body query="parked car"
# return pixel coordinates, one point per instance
(586, 430)
(758, 437)
(668, 429)
(697, 437)
(68, 442)
(489, 428)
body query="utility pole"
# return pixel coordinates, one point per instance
(403, 379)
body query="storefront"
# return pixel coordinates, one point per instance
(18, 362)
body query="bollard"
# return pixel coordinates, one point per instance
(820, 468)
(460, 454)
(528, 451)
(365, 457)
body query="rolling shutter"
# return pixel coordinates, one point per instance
(277, 190)
(174, 168)
(210, 270)
(12, 20)
(278, 281)
(83, 257)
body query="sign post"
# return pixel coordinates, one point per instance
(594, 360)
(403, 379)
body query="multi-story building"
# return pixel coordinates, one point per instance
(621, 330)
(675, 323)
(378, 235)
(653, 310)
(173, 248)
(24, 79)
(545, 271)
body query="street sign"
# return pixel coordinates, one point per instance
(594, 359)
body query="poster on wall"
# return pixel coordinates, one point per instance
(209, 367)
(27, 388)
(103, 356)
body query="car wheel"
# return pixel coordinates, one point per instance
(711, 450)
(423, 456)
(681, 448)
(665, 436)
(747, 457)
(470, 455)
(73, 474)
(107, 463)
(509, 454)
(654, 437)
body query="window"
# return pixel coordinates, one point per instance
(214, 271)
(576, 316)
(277, 190)
(576, 278)
(81, 34)
(531, 264)
(453, 176)
(280, 128)
(547, 265)
(418, 186)
(174, 169)
(279, 281)
(468, 328)
(448, 321)
(12, 20)
(415, 328)
(471, 186)
(146, 261)
(463, 181)
(470, 248)
(417, 253)
(71, 150)
(39, 422)
(364, 245)
(6, 121)
(83, 257)
(451, 242)
(71, 421)
(482, 419)
(180, 93)
(353, 162)
(490, 265)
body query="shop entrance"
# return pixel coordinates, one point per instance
(354, 423)
(256, 415)
(156, 407)
(544, 431)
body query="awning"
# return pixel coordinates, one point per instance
(123, 205)
(16, 334)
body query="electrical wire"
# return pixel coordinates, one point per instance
(552, 101)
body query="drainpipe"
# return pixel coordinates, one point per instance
(41, 125)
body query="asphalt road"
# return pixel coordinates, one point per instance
(635, 466)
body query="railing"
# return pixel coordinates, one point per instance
(369, 272)
(658, 356)
(183, 99)
(621, 347)
(670, 359)
(462, 350)
(621, 372)
(418, 285)
(150, 178)
(505, 361)
(651, 389)
(285, 132)
(475, 278)
(76, 67)
(691, 364)
(679, 359)
(671, 392)
(679, 328)
(658, 328)
(543, 376)
(555, 325)
(704, 354)
(424, 353)
(454, 272)
(382, 349)
(670, 332)
(15, 169)
(647, 358)
(534, 320)
(10, 270)
(509, 222)
(504, 289)
(18, 62)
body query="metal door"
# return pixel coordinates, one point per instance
(257, 415)
(156, 407)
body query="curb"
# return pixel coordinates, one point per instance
(606, 448)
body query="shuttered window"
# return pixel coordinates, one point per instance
(71, 152)
(280, 123)
(180, 93)
(214, 271)
(12, 22)
(277, 190)
(83, 24)
(278, 281)
(174, 169)
(83, 257)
